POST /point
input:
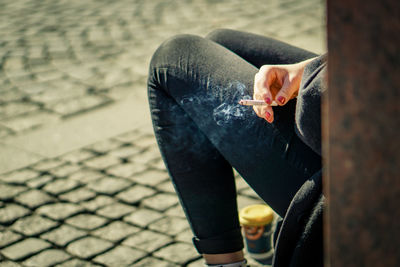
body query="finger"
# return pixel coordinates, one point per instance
(285, 92)
(268, 113)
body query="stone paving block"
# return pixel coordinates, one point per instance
(86, 221)
(166, 186)
(146, 156)
(85, 176)
(244, 201)
(98, 202)
(14, 109)
(33, 225)
(8, 237)
(9, 264)
(102, 162)
(110, 186)
(40, 181)
(120, 256)
(25, 248)
(46, 165)
(198, 263)
(78, 105)
(150, 262)
(116, 231)
(248, 192)
(104, 146)
(60, 186)
(151, 177)
(143, 217)
(78, 263)
(78, 195)
(9, 191)
(63, 235)
(30, 121)
(47, 258)
(160, 201)
(158, 164)
(170, 225)
(147, 240)
(59, 211)
(77, 156)
(129, 137)
(176, 211)
(125, 151)
(146, 141)
(179, 253)
(88, 247)
(115, 211)
(185, 237)
(19, 177)
(33, 198)
(135, 194)
(126, 170)
(12, 212)
(65, 170)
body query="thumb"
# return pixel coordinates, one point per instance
(285, 93)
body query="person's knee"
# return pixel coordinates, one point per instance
(219, 35)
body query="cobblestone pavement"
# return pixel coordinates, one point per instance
(108, 204)
(61, 58)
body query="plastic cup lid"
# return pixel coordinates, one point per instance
(256, 215)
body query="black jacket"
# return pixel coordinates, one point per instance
(299, 235)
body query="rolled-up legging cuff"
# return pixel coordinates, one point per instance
(225, 243)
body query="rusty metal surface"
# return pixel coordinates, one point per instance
(361, 145)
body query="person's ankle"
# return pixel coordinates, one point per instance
(233, 264)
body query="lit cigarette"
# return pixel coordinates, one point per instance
(251, 102)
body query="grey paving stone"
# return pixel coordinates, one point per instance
(158, 165)
(135, 194)
(40, 181)
(9, 191)
(88, 247)
(110, 186)
(59, 211)
(148, 241)
(78, 195)
(129, 137)
(179, 253)
(9, 264)
(116, 231)
(77, 263)
(30, 121)
(125, 151)
(63, 235)
(146, 141)
(185, 237)
(65, 170)
(77, 156)
(86, 221)
(47, 258)
(170, 225)
(14, 109)
(244, 201)
(104, 146)
(12, 212)
(98, 202)
(48, 164)
(85, 176)
(33, 198)
(19, 177)
(102, 162)
(115, 211)
(151, 177)
(199, 263)
(33, 225)
(8, 237)
(120, 256)
(150, 262)
(146, 156)
(59, 186)
(143, 217)
(25, 248)
(126, 170)
(161, 201)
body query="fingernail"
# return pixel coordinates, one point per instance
(268, 100)
(267, 115)
(281, 99)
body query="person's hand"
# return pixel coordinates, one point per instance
(278, 83)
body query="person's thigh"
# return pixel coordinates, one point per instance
(258, 49)
(206, 81)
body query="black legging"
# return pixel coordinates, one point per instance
(194, 87)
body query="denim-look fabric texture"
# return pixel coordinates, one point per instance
(194, 87)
